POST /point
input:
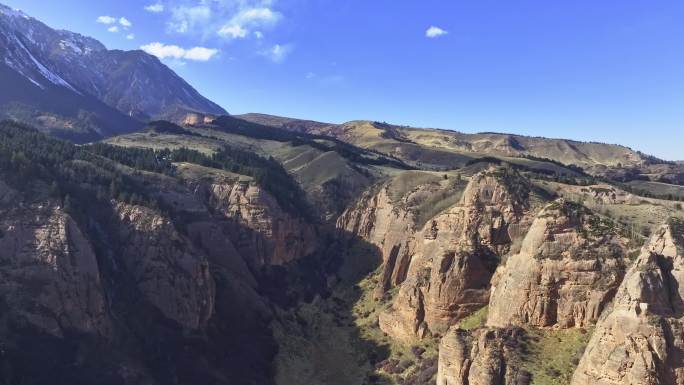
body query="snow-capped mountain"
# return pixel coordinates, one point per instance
(42, 64)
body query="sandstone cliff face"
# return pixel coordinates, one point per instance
(459, 249)
(376, 219)
(130, 281)
(48, 271)
(568, 269)
(169, 272)
(42, 248)
(641, 339)
(392, 222)
(285, 236)
(486, 357)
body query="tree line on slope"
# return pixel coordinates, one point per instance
(27, 156)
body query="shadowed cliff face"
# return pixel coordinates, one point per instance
(50, 273)
(640, 339)
(116, 292)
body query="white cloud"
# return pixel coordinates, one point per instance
(200, 53)
(185, 19)
(310, 75)
(247, 18)
(257, 16)
(434, 32)
(106, 20)
(155, 8)
(278, 52)
(113, 29)
(164, 51)
(124, 22)
(233, 31)
(130, 36)
(229, 19)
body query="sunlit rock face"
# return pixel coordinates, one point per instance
(568, 269)
(640, 339)
(459, 249)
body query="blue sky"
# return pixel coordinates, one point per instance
(609, 70)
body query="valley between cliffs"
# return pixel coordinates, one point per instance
(186, 254)
(148, 237)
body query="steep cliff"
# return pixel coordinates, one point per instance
(171, 273)
(50, 274)
(262, 231)
(568, 269)
(286, 237)
(391, 215)
(459, 250)
(640, 339)
(486, 357)
(114, 275)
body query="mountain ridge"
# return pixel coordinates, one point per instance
(137, 85)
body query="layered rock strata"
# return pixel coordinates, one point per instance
(640, 340)
(568, 269)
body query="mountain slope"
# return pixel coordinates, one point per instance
(58, 110)
(55, 65)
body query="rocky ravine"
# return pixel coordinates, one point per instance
(640, 339)
(281, 237)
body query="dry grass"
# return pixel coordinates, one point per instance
(641, 214)
(161, 141)
(191, 171)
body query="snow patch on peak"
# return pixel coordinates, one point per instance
(47, 74)
(84, 44)
(13, 66)
(67, 44)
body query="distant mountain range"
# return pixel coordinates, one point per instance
(74, 87)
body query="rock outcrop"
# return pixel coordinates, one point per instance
(640, 340)
(279, 237)
(169, 271)
(569, 267)
(49, 273)
(377, 220)
(196, 119)
(459, 250)
(485, 357)
(389, 217)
